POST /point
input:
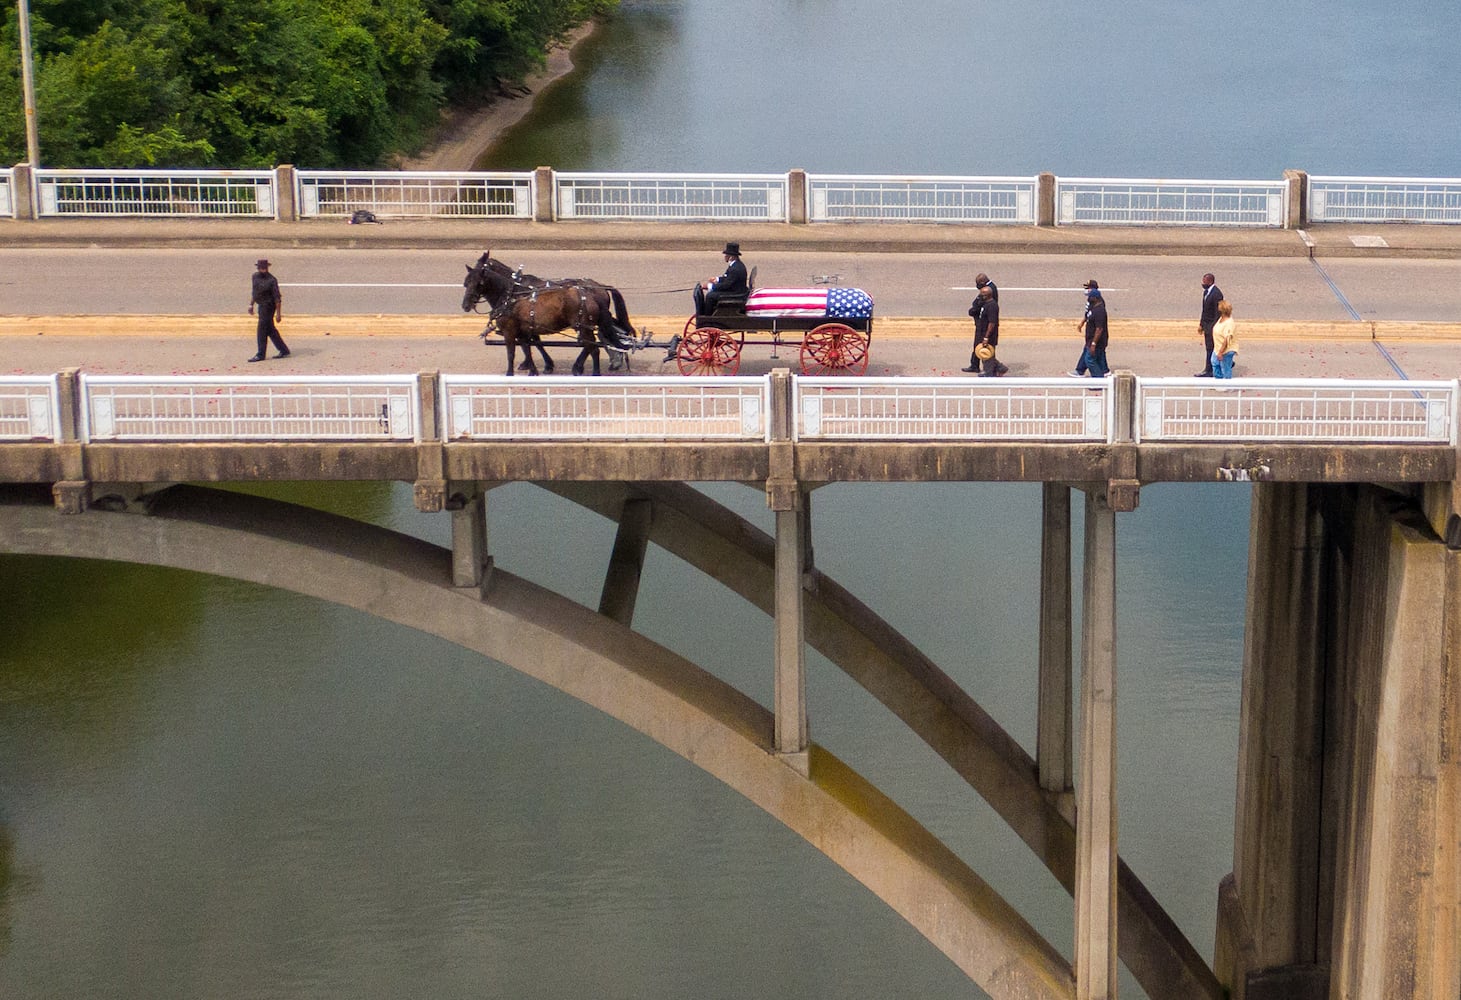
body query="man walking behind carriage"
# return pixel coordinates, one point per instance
(981, 282)
(733, 283)
(986, 332)
(270, 300)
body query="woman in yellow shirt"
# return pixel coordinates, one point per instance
(1224, 341)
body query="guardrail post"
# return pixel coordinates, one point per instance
(796, 197)
(543, 182)
(1045, 199)
(72, 492)
(1123, 489)
(22, 191)
(1297, 216)
(286, 205)
(429, 492)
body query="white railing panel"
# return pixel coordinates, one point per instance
(30, 408)
(248, 193)
(1350, 411)
(873, 198)
(1125, 202)
(7, 193)
(1435, 200)
(672, 197)
(266, 408)
(556, 408)
(416, 194)
(915, 409)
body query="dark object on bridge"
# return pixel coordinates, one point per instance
(361, 215)
(524, 307)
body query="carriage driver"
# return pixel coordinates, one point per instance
(732, 282)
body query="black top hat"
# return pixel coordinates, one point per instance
(732, 250)
(261, 262)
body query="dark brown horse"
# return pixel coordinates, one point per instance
(524, 307)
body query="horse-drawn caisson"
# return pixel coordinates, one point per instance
(525, 306)
(831, 325)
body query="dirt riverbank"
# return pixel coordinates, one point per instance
(466, 133)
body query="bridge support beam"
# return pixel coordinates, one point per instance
(1053, 720)
(1346, 878)
(1096, 856)
(626, 563)
(471, 565)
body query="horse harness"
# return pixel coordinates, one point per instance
(522, 290)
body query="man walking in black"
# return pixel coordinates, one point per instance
(1211, 296)
(986, 331)
(981, 282)
(270, 300)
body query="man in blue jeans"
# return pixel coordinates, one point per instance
(1094, 328)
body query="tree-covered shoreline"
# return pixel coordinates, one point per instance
(255, 83)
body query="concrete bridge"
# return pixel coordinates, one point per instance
(1346, 878)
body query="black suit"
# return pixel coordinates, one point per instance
(975, 308)
(734, 282)
(1211, 296)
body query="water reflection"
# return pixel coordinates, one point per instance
(1001, 88)
(278, 797)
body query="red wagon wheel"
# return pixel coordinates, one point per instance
(834, 349)
(708, 351)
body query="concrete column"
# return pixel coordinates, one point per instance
(797, 210)
(1053, 723)
(791, 665)
(786, 498)
(1096, 860)
(286, 205)
(1045, 200)
(1271, 920)
(543, 207)
(1297, 182)
(471, 565)
(23, 190)
(626, 562)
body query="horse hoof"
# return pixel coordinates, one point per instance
(523, 366)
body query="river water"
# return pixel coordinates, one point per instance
(208, 789)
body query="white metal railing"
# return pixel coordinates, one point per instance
(156, 192)
(1296, 410)
(1384, 199)
(417, 194)
(30, 408)
(1122, 202)
(933, 409)
(307, 408)
(850, 198)
(672, 197)
(567, 408)
(7, 192)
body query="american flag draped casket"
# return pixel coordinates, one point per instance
(832, 303)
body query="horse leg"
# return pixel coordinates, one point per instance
(511, 352)
(547, 361)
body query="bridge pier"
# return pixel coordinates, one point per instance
(471, 564)
(1053, 718)
(626, 562)
(1346, 881)
(1096, 855)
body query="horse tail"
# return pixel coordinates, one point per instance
(621, 312)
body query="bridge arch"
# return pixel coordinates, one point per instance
(593, 659)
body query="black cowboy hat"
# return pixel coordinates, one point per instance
(732, 250)
(261, 262)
